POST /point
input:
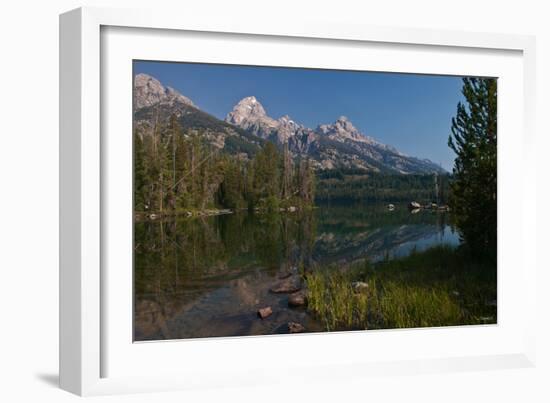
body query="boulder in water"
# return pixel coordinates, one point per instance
(297, 299)
(264, 312)
(295, 327)
(287, 285)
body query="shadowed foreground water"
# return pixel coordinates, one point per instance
(208, 276)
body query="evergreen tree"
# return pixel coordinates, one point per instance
(140, 174)
(175, 134)
(176, 170)
(474, 188)
(183, 198)
(306, 182)
(232, 187)
(286, 190)
(266, 172)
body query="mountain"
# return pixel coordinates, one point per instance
(247, 127)
(154, 104)
(149, 91)
(339, 144)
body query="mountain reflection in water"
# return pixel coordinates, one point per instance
(207, 276)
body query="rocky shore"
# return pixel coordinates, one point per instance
(414, 206)
(289, 282)
(144, 216)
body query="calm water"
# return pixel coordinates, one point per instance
(204, 277)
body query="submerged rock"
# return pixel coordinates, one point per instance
(297, 299)
(295, 327)
(286, 273)
(265, 312)
(287, 285)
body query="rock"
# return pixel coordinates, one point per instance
(153, 216)
(359, 286)
(297, 299)
(149, 91)
(286, 273)
(295, 327)
(264, 312)
(292, 209)
(414, 205)
(433, 206)
(343, 129)
(288, 285)
(391, 206)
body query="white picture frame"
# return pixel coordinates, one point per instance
(97, 355)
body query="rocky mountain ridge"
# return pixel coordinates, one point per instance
(248, 125)
(149, 91)
(336, 144)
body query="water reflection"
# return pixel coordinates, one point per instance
(207, 276)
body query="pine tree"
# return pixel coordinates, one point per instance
(306, 181)
(474, 188)
(266, 172)
(175, 134)
(140, 174)
(232, 188)
(286, 191)
(183, 199)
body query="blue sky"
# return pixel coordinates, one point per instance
(408, 111)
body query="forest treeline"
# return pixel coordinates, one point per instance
(177, 171)
(357, 185)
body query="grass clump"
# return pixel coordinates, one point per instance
(437, 287)
(403, 306)
(331, 298)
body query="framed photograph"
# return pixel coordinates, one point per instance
(241, 201)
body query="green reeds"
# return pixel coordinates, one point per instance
(437, 287)
(403, 306)
(332, 298)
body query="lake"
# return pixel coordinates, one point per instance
(208, 276)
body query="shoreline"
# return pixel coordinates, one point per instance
(146, 216)
(211, 212)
